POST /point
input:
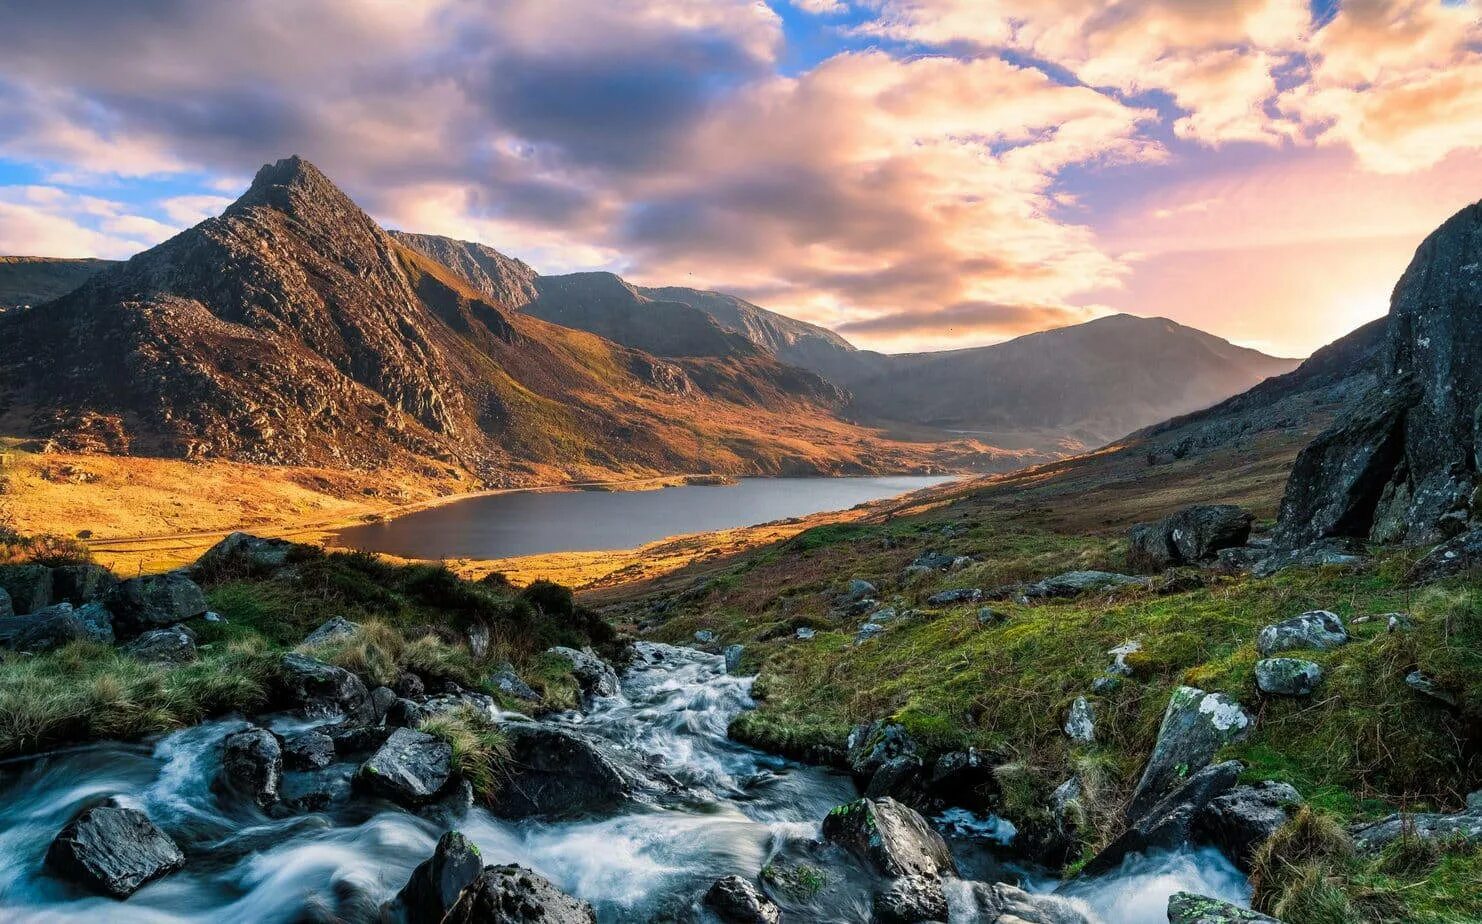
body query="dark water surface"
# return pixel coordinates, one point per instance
(538, 522)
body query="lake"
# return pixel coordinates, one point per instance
(538, 522)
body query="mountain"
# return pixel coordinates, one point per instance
(33, 280)
(796, 342)
(504, 280)
(292, 329)
(1091, 382)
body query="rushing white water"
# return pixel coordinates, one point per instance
(737, 811)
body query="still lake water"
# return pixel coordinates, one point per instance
(538, 522)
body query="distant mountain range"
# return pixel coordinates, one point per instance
(292, 329)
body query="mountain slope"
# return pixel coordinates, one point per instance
(33, 280)
(293, 330)
(504, 280)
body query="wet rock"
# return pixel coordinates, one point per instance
(515, 895)
(909, 900)
(318, 689)
(1068, 812)
(1464, 826)
(1427, 687)
(892, 839)
(242, 554)
(594, 675)
(381, 700)
(1287, 676)
(410, 768)
(733, 658)
(1080, 723)
(1188, 908)
(29, 587)
(955, 597)
(252, 765)
(736, 901)
(144, 603)
(113, 850)
(506, 681)
(1241, 820)
(1195, 726)
(1316, 629)
(1075, 583)
(410, 686)
(79, 584)
(437, 882)
(405, 714)
(1170, 823)
(1001, 903)
(902, 779)
(310, 750)
(963, 778)
(557, 773)
(313, 790)
(334, 629)
(175, 645)
(869, 747)
(356, 738)
(44, 630)
(1191, 535)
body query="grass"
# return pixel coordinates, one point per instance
(480, 749)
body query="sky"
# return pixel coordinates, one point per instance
(915, 174)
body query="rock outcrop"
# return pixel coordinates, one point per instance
(252, 765)
(1192, 535)
(1171, 823)
(412, 767)
(437, 882)
(317, 689)
(1195, 726)
(113, 850)
(1241, 820)
(154, 602)
(515, 895)
(1188, 908)
(736, 901)
(554, 773)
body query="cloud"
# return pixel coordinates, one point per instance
(971, 319)
(51, 222)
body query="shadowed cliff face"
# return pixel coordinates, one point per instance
(1402, 465)
(33, 280)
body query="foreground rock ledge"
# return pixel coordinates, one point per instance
(113, 850)
(515, 895)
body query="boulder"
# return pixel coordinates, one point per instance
(309, 750)
(242, 555)
(869, 747)
(252, 765)
(1080, 723)
(405, 713)
(79, 584)
(1188, 908)
(29, 587)
(97, 621)
(175, 645)
(556, 773)
(1325, 553)
(1452, 557)
(317, 689)
(113, 850)
(1075, 583)
(381, 700)
(858, 589)
(1001, 903)
(1192, 535)
(1428, 687)
(412, 767)
(892, 839)
(313, 790)
(736, 901)
(506, 681)
(144, 603)
(1195, 726)
(409, 686)
(1316, 629)
(334, 629)
(437, 881)
(1464, 826)
(44, 630)
(594, 675)
(1170, 823)
(903, 779)
(356, 738)
(1287, 676)
(955, 596)
(733, 658)
(515, 895)
(1241, 820)
(909, 900)
(933, 561)
(867, 631)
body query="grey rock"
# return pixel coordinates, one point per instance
(1001, 903)
(97, 621)
(902, 779)
(252, 765)
(859, 589)
(309, 750)
(412, 767)
(381, 700)
(1080, 722)
(29, 587)
(478, 640)
(1170, 824)
(595, 676)
(437, 882)
(733, 658)
(1325, 553)
(1195, 726)
(7, 609)
(987, 616)
(44, 630)
(736, 901)
(964, 778)
(868, 631)
(1105, 684)
(1316, 629)
(1068, 809)
(1287, 676)
(405, 713)
(892, 839)
(956, 596)
(318, 689)
(556, 773)
(80, 584)
(1398, 622)
(1119, 666)
(869, 747)
(1463, 826)
(1191, 535)
(1241, 820)
(704, 636)
(113, 850)
(962, 561)
(1188, 908)
(1454, 556)
(1075, 583)
(175, 645)
(409, 686)
(515, 895)
(352, 738)
(334, 629)
(509, 683)
(1425, 686)
(313, 790)
(804, 633)
(144, 603)
(933, 561)
(242, 555)
(909, 900)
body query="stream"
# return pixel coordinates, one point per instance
(738, 811)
